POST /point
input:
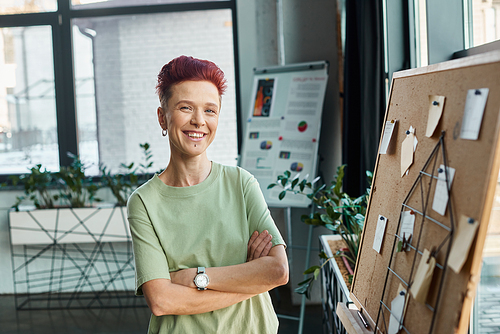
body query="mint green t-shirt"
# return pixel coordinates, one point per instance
(209, 225)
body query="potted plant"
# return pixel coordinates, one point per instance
(123, 184)
(336, 210)
(36, 188)
(68, 197)
(67, 226)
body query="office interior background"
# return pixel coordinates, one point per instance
(78, 76)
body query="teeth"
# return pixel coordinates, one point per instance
(195, 135)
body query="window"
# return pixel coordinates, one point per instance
(421, 33)
(112, 77)
(86, 4)
(485, 21)
(25, 6)
(28, 133)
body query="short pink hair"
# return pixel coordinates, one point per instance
(184, 68)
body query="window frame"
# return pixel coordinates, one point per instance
(62, 44)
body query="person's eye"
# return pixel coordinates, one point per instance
(185, 108)
(210, 111)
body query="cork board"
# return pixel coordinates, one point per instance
(476, 164)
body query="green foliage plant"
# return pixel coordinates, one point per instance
(76, 189)
(36, 188)
(123, 184)
(335, 210)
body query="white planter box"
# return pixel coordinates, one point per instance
(72, 258)
(68, 225)
(333, 289)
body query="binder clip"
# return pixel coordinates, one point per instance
(404, 243)
(432, 254)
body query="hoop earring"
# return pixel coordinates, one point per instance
(163, 132)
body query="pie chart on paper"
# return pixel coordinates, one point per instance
(297, 167)
(302, 126)
(266, 145)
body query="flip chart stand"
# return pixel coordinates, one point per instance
(447, 240)
(288, 224)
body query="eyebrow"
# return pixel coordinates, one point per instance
(190, 102)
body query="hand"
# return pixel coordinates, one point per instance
(184, 277)
(259, 245)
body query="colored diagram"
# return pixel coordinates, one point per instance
(266, 145)
(263, 98)
(284, 155)
(302, 126)
(297, 167)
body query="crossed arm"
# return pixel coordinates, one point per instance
(265, 269)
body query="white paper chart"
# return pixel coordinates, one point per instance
(283, 127)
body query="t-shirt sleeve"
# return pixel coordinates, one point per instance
(150, 260)
(259, 217)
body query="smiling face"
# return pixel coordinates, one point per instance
(191, 117)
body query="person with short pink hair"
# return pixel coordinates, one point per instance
(206, 248)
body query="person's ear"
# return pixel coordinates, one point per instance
(161, 118)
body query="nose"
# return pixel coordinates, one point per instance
(198, 118)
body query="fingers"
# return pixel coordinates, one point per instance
(259, 245)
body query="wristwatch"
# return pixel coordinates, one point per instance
(201, 280)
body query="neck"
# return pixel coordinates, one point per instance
(186, 172)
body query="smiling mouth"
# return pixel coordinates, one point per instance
(195, 135)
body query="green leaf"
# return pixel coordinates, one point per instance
(326, 219)
(284, 181)
(314, 222)
(331, 227)
(282, 195)
(306, 287)
(359, 217)
(304, 217)
(272, 185)
(287, 173)
(316, 273)
(311, 270)
(400, 246)
(322, 255)
(294, 183)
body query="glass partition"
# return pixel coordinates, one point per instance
(485, 21)
(117, 60)
(91, 4)
(28, 133)
(27, 6)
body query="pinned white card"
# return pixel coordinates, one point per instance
(459, 253)
(473, 113)
(436, 104)
(379, 233)
(440, 202)
(407, 225)
(408, 147)
(423, 277)
(386, 138)
(397, 311)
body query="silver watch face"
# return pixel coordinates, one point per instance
(201, 280)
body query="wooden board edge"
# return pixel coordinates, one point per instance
(361, 242)
(480, 59)
(477, 260)
(362, 309)
(351, 321)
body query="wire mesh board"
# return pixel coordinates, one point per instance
(450, 180)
